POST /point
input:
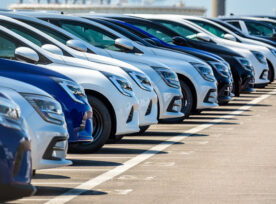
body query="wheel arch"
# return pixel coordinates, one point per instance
(109, 107)
(191, 85)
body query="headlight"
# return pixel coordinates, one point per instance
(205, 71)
(75, 91)
(168, 76)
(273, 52)
(222, 69)
(261, 58)
(120, 83)
(9, 113)
(246, 64)
(48, 108)
(140, 79)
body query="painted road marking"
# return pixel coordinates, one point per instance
(88, 185)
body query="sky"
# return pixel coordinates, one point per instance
(238, 7)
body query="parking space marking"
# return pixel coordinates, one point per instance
(71, 169)
(88, 185)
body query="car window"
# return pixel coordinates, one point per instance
(29, 35)
(7, 47)
(235, 23)
(49, 31)
(181, 29)
(211, 28)
(89, 33)
(255, 28)
(154, 30)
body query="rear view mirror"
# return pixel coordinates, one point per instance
(229, 37)
(77, 45)
(26, 54)
(124, 43)
(203, 37)
(52, 49)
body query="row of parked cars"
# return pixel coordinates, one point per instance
(75, 82)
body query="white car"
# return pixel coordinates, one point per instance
(105, 91)
(255, 57)
(195, 75)
(49, 141)
(169, 94)
(141, 84)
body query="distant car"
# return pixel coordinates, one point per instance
(251, 57)
(253, 27)
(45, 123)
(15, 151)
(105, 91)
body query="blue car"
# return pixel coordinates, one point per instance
(15, 153)
(77, 111)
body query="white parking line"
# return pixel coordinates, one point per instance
(86, 186)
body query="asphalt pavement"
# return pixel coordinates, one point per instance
(223, 155)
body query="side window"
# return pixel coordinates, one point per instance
(7, 47)
(235, 23)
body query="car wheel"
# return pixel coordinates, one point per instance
(270, 74)
(187, 100)
(102, 124)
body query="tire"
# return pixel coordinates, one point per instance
(270, 74)
(187, 100)
(236, 88)
(102, 125)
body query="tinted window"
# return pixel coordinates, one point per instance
(181, 29)
(258, 29)
(89, 33)
(236, 24)
(7, 47)
(49, 31)
(211, 28)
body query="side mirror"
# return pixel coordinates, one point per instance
(178, 40)
(26, 54)
(203, 36)
(229, 37)
(124, 43)
(77, 45)
(52, 48)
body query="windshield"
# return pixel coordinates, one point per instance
(181, 29)
(49, 31)
(155, 30)
(210, 27)
(89, 33)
